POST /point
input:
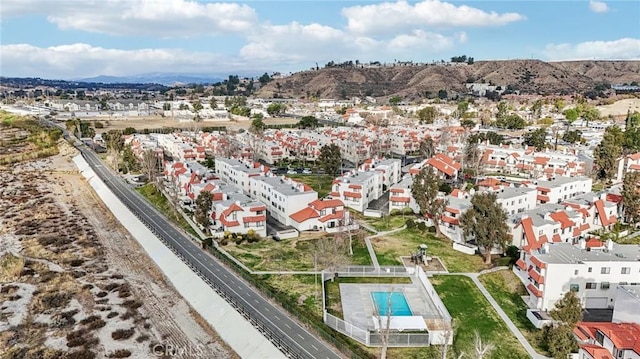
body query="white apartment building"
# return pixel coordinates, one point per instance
(516, 200)
(400, 196)
(239, 172)
(592, 271)
(561, 188)
(626, 164)
(627, 305)
(390, 168)
(358, 189)
(282, 196)
(602, 340)
(328, 215)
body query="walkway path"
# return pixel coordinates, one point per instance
(512, 327)
(367, 241)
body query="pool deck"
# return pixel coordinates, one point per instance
(358, 308)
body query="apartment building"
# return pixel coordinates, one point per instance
(358, 189)
(626, 164)
(608, 340)
(282, 196)
(444, 166)
(627, 304)
(560, 188)
(508, 159)
(239, 172)
(400, 197)
(516, 199)
(238, 213)
(590, 268)
(324, 215)
(390, 169)
(180, 147)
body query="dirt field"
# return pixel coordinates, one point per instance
(74, 284)
(620, 108)
(160, 122)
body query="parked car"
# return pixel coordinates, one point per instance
(292, 172)
(306, 171)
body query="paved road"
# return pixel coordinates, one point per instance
(289, 336)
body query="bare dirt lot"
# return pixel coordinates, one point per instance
(153, 122)
(74, 284)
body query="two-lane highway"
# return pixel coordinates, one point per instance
(287, 334)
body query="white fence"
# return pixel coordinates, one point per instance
(434, 296)
(375, 339)
(464, 248)
(348, 329)
(372, 213)
(370, 271)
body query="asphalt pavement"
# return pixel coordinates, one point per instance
(287, 334)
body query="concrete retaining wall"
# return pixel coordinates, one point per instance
(236, 331)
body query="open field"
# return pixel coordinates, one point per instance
(507, 290)
(74, 282)
(472, 312)
(390, 248)
(290, 254)
(620, 108)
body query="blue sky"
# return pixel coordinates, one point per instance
(73, 38)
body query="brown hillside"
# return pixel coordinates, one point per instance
(527, 76)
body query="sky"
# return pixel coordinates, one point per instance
(72, 39)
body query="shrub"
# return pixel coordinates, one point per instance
(112, 314)
(122, 334)
(422, 226)
(120, 353)
(410, 223)
(55, 299)
(141, 338)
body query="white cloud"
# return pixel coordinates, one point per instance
(296, 43)
(83, 60)
(622, 49)
(387, 16)
(165, 19)
(598, 6)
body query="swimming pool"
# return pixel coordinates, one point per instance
(399, 305)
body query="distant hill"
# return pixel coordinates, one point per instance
(412, 82)
(167, 79)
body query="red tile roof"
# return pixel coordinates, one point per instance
(520, 263)
(352, 194)
(233, 208)
(251, 219)
(625, 336)
(399, 199)
(556, 238)
(535, 291)
(450, 220)
(536, 276)
(258, 208)
(563, 218)
(326, 203)
(538, 262)
(330, 216)
(603, 214)
(542, 198)
(228, 223)
(305, 214)
(396, 190)
(594, 243)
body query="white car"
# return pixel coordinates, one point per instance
(307, 172)
(292, 172)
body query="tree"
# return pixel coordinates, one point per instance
(330, 159)
(426, 148)
(632, 120)
(571, 114)
(486, 222)
(427, 114)
(275, 109)
(568, 310)
(502, 110)
(463, 107)
(473, 159)
(482, 349)
(468, 124)
(536, 109)
(512, 122)
(536, 138)
(213, 103)
(257, 125)
(115, 144)
(631, 197)
(197, 107)
(150, 165)
(572, 136)
(558, 105)
(567, 313)
(608, 151)
(308, 122)
(204, 201)
(442, 94)
(395, 100)
(425, 192)
(331, 253)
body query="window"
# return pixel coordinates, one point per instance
(605, 270)
(591, 285)
(625, 270)
(574, 287)
(540, 232)
(575, 272)
(589, 270)
(604, 285)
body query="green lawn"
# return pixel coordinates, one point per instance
(472, 312)
(320, 183)
(507, 290)
(287, 255)
(388, 223)
(390, 248)
(162, 204)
